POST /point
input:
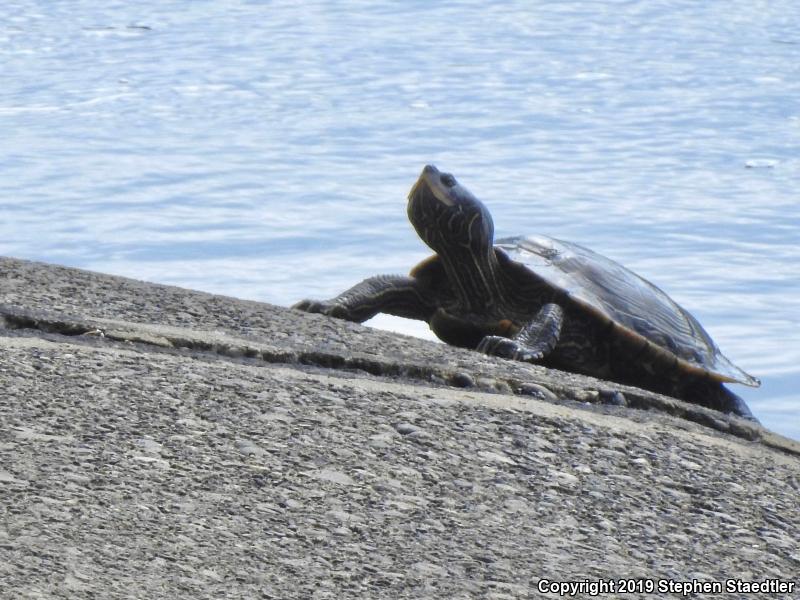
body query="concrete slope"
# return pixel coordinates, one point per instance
(159, 442)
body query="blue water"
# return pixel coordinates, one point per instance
(265, 149)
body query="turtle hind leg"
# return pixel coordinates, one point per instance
(533, 342)
(713, 394)
(392, 294)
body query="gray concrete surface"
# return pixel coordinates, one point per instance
(164, 443)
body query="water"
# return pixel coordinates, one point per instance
(264, 149)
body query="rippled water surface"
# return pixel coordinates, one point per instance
(265, 149)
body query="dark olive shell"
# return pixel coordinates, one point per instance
(607, 289)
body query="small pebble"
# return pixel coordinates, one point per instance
(613, 398)
(462, 380)
(405, 428)
(537, 391)
(486, 383)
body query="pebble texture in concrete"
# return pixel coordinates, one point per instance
(137, 469)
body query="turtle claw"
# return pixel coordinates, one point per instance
(312, 306)
(324, 307)
(495, 345)
(320, 307)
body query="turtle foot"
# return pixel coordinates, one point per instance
(312, 306)
(323, 307)
(715, 395)
(495, 345)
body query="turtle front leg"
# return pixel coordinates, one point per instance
(391, 294)
(533, 342)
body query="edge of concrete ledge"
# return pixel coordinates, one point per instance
(93, 315)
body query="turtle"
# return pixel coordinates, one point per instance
(541, 300)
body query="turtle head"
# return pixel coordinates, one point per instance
(447, 216)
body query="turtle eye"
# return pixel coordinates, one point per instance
(447, 180)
